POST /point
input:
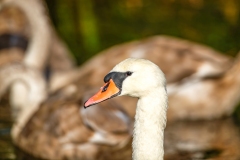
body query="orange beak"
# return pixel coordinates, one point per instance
(109, 90)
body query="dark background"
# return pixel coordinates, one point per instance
(89, 26)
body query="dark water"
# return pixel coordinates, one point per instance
(6, 146)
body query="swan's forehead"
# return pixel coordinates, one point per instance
(132, 64)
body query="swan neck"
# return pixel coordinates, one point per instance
(25, 96)
(37, 51)
(150, 121)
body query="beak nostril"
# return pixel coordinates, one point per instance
(105, 87)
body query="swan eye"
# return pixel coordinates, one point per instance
(128, 73)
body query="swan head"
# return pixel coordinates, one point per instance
(133, 77)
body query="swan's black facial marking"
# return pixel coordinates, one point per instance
(118, 78)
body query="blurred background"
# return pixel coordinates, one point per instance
(90, 26)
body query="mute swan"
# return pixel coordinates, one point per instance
(34, 83)
(25, 38)
(142, 79)
(194, 75)
(37, 48)
(55, 126)
(58, 130)
(155, 48)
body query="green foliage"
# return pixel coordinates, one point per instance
(89, 26)
(236, 115)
